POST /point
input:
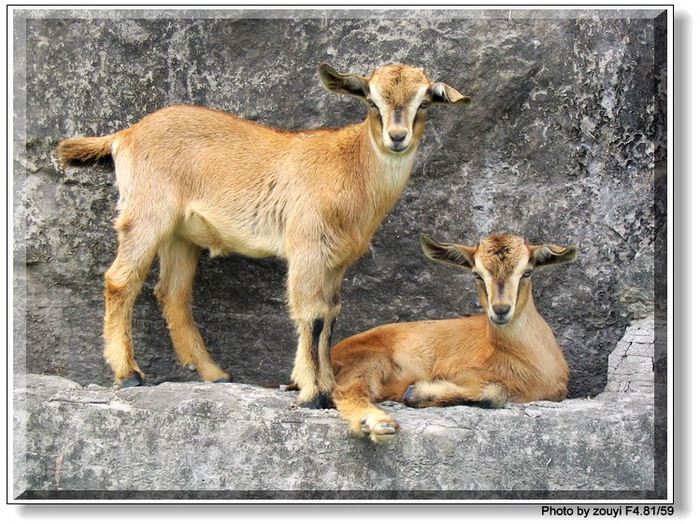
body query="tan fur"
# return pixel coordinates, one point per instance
(479, 359)
(192, 178)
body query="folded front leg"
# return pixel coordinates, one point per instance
(361, 378)
(365, 419)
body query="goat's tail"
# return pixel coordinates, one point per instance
(85, 151)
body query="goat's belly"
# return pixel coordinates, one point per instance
(223, 235)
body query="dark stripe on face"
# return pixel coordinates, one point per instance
(398, 115)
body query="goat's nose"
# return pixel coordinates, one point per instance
(397, 136)
(501, 309)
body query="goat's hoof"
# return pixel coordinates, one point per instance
(216, 376)
(320, 401)
(380, 432)
(409, 398)
(133, 380)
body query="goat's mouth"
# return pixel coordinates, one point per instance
(499, 320)
(397, 148)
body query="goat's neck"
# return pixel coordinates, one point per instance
(392, 170)
(527, 333)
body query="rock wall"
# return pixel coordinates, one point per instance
(236, 441)
(564, 143)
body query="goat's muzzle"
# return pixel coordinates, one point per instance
(500, 314)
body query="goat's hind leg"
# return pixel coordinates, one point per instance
(471, 387)
(178, 265)
(123, 281)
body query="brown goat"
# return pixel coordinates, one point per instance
(192, 178)
(508, 354)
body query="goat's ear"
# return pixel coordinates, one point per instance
(550, 255)
(343, 83)
(452, 254)
(444, 94)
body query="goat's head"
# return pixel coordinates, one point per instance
(398, 97)
(502, 266)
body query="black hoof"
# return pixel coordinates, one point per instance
(413, 401)
(320, 401)
(408, 396)
(132, 380)
(225, 380)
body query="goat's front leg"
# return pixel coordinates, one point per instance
(361, 378)
(365, 419)
(314, 301)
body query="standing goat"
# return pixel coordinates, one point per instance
(192, 178)
(508, 354)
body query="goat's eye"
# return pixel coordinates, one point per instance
(526, 274)
(424, 104)
(371, 103)
(478, 277)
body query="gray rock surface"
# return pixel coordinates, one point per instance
(193, 440)
(564, 143)
(631, 364)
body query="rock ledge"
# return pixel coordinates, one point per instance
(224, 441)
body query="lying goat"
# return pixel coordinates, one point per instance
(191, 178)
(508, 354)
